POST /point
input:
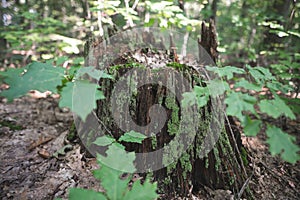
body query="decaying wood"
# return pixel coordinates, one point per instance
(220, 168)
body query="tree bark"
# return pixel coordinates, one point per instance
(222, 167)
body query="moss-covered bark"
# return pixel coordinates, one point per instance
(222, 167)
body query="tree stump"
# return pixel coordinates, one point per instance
(220, 168)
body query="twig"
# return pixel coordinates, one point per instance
(235, 145)
(102, 124)
(244, 186)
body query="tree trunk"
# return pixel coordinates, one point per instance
(222, 167)
(280, 9)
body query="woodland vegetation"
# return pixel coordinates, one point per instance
(53, 51)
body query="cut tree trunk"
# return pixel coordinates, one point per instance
(220, 168)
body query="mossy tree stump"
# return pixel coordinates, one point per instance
(222, 167)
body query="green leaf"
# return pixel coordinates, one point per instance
(217, 87)
(260, 74)
(36, 76)
(84, 98)
(247, 85)
(92, 72)
(251, 127)
(61, 60)
(199, 96)
(118, 158)
(283, 144)
(66, 96)
(110, 180)
(277, 86)
(104, 141)
(227, 71)
(132, 136)
(202, 94)
(276, 108)
(238, 102)
(146, 191)
(112, 166)
(79, 194)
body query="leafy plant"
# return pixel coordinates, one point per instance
(112, 167)
(243, 105)
(66, 82)
(71, 86)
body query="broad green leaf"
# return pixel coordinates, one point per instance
(84, 98)
(277, 86)
(36, 76)
(251, 127)
(260, 74)
(103, 141)
(111, 182)
(227, 71)
(202, 94)
(92, 72)
(199, 96)
(66, 96)
(238, 102)
(276, 108)
(132, 136)
(145, 191)
(61, 60)
(217, 87)
(247, 85)
(283, 144)
(80, 194)
(118, 158)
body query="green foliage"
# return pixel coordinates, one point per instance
(35, 76)
(118, 158)
(142, 191)
(227, 71)
(238, 102)
(243, 105)
(276, 108)
(247, 85)
(84, 106)
(46, 77)
(251, 127)
(79, 194)
(283, 144)
(132, 136)
(104, 141)
(110, 176)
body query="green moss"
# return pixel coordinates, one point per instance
(173, 123)
(177, 66)
(244, 156)
(126, 65)
(217, 157)
(11, 125)
(72, 132)
(206, 162)
(171, 167)
(186, 165)
(154, 142)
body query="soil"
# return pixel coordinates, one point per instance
(38, 160)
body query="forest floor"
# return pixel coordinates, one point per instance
(39, 162)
